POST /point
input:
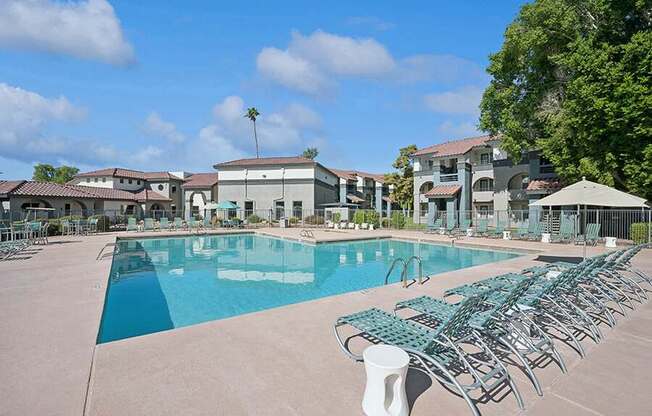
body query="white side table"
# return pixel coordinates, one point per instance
(469, 232)
(507, 235)
(610, 242)
(545, 237)
(386, 367)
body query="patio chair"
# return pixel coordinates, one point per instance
(131, 224)
(438, 348)
(65, 227)
(592, 235)
(148, 224)
(496, 324)
(521, 232)
(536, 231)
(92, 225)
(163, 224)
(435, 226)
(483, 227)
(178, 223)
(565, 232)
(451, 226)
(498, 231)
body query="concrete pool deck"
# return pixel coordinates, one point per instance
(282, 361)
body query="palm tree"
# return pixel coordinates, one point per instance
(252, 113)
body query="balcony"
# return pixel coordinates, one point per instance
(483, 167)
(483, 196)
(451, 177)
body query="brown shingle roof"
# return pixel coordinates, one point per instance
(454, 147)
(160, 175)
(45, 189)
(351, 175)
(128, 173)
(149, 195)
(263, 161)
(49, 189)
(201, 180)
(443, 190)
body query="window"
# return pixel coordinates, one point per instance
(484, 184)
(174, 188)
(486, 158)
(431, 164)
(122, 180)
(249, 208)
(160, 186)
(66, 209)
(103, 179)
(545, 166)
(173, 208)
(130, 182)
(279, 209)
(94, 179)
(423, 207)
(519, 182)
(129, 209)
(426, 187)
(297, 209)
(137, 182)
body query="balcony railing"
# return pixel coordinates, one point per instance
(448, 178)
(515, 194)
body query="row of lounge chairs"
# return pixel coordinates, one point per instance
(347, 225)
(533, 231)
(163, 224)
(464, 345)
(21, 236)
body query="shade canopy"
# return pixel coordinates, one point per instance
(590, 193)
(226, 205)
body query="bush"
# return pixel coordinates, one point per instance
(358, 217)
(293, 220)
(337, 217)
(398, 220)
(314, 220)
(254, 219)
(372, 217)
(638, 232)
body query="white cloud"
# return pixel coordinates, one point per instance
(342, 55)
(439, 68)
(83, 29)
(291, 71)
(462, 101)
(450, 129)
(155, 126)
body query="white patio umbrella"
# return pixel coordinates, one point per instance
(590, 193)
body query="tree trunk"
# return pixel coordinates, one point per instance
(256, 139)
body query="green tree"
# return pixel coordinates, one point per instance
(574, 79)
(310, 153)
(403, 179)
(252, 114)
(47, 173)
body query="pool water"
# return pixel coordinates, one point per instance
(160, 284)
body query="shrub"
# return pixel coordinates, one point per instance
(337, 217)
(638, 232)
(372, 217)
(314, 220)
(254, 219)
(293, 220)
(398, 220)
(358, 217)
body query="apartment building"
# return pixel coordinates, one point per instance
(475, 175)
(366, 190)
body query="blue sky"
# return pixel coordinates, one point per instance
(163, 85)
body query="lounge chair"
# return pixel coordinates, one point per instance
(131, 224)
(565, 232)
(207, 223)
(536, 231)
(148, 224)
(437, 348)
(592, 235)
(483, 227)
(178, 223)
(435, 226)
(451, 226)
(163, 224)
(497, 325)
(498, 231)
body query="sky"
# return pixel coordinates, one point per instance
(154, 85)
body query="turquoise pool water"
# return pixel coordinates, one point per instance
(160, 284)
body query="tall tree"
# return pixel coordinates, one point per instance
(252, 114)
(310, 153)
(403, 179)
(574, 79)
(48, 173)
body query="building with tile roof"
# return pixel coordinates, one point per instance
(474, 175)
(366, 190)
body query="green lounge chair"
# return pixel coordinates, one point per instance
(498, 231)
(565, 232)
(92, 225)
(437, 348)
(163, 224)
(131, 224)
(521, 232)
(536, 231)
(148, 224)
(178, 223)
(207, 223)
(435, 226)
(465, 224)
(483, 227)
(496, 324)
(451, 226)
(592, 235)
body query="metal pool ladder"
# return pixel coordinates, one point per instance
(404, 271)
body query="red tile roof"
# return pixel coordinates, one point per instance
(8, 186)
(149, 195)
(455, 147)
(201, 180)
(352, 175)
(263, 161)
(49, 189)
(543, 185)
(128, 173)
(443, 190)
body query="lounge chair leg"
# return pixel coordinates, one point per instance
(568, 332)
(524, 362)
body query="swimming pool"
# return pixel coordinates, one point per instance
(165, 283)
